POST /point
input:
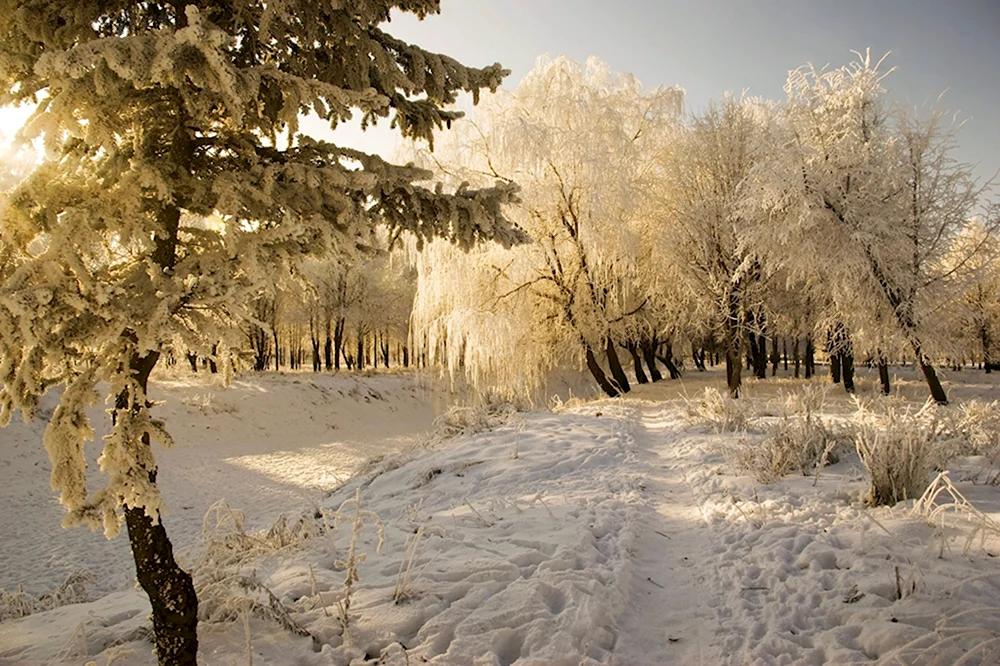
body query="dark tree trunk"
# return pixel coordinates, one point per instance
(360, 360)
(193, 360)
(633, 350)
(847, 370)
(883, 376)
(649, 355)
(733, 370)
(775, 356)
(277, 349)
(328, 356)
(406, 356)
(212, 367)
(784, 351)
(933, 383)
(759, 356)
(598, 373)
(616, 366)
(169, 588)
(810, 358)
(699, 359)
(338, 342)
(835, 367)
(795, 356)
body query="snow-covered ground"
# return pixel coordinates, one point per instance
(611, 531)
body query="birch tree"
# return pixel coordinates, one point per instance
(155, 109)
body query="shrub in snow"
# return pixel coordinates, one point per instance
(794, 443)
(976, 426)
(472, 419)
(721, 412)
(18, 604)
(900, 450)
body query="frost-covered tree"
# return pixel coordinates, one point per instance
(704, 223)
(581, 142)
(151, 110)
(866, 203)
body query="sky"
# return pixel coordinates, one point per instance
(709, 47)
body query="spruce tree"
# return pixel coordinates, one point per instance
(156, 116)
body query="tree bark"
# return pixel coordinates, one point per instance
(847, 370)
(648, 348)
(810, 358)
(598, 373)
(193, 360)
(795, 356)
(883, 376)
(616, 367)
(170, 589)
(633, 350)
(933, 383)
(775, 357)
(835, 367)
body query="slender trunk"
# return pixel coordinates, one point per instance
(699, 360)
(338, 342)
(733, 370)
(406, 356)
(649, 355)
(984, 337)
(193, 360)
(784, 351)
(212, 367)
(169, 588)
(760, 357)
(835, 367)
(847, 370)
(795, 356)
(883, 376)
(775, 357)
(633, 350)
(328, 348)
(810, 358)
(933, 383)
(616, 366)
(277, 349)
(598, 373)
(360, 360)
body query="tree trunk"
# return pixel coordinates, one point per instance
(784, 351)
(649, 355)
(169, 588)
(795, 356)
(328, 349)
(984, 336)
(616, 366)
(933, 383)
(360, 360)
(212, 367)
(277, 349)
(835, 367)
(810, 358)
(847, 370)
(598, 373)
(193, 360)
(338, 342)
(633, 350)
(733, 370)
(883, 376)
(775, 356)
(406, 356)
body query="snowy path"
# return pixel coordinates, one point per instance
(668, 618)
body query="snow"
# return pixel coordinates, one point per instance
(608, 531)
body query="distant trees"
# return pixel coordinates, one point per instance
(831, 223)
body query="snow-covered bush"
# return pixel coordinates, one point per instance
(900, 450)
(793, 444)
(472, 419)
(719, 411)
(73, 590)
(976, 427)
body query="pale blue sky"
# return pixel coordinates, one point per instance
(712, 46)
